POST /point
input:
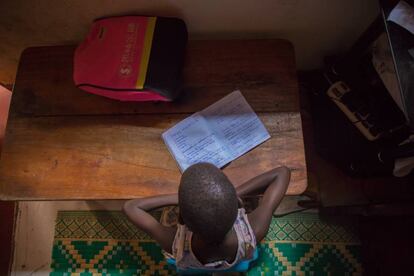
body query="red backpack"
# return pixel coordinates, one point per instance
(132, 58)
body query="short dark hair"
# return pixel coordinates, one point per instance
(208, 202)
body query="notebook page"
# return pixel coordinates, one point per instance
(235, 124)
(191, 141)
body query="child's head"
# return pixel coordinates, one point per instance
(208, 202)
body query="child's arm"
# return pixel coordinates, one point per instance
(275, 183)
(136, 210)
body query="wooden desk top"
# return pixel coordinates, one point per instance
(63, 143)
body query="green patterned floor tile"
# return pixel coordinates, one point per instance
(106, 243)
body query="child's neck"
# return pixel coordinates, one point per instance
(210, 252)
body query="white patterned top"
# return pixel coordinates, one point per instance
(185, 258)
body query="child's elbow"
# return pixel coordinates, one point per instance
(284, 169)
(128, 207)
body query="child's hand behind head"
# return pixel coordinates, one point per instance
(208, 202)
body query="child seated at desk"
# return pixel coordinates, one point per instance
(214, 233)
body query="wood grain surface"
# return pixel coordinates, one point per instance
(263, 69)
(62, 143)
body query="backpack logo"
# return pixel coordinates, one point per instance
(125, 70)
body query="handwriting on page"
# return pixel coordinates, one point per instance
(218, 134)
(239, 125)
(193, 142)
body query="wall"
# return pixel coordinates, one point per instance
(316, 27)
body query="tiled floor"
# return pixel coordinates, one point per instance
(35, 223)
(35, 229)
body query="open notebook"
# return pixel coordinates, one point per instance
(218, 134)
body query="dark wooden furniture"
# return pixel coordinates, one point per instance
(63, 143)
(401, 41)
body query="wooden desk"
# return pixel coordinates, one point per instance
(63, 143)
